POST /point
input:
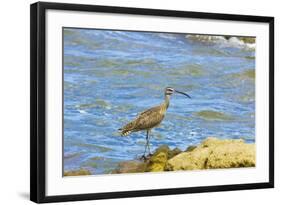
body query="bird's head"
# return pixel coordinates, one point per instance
(169, 91)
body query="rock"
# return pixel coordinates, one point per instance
(165, 149)
(215, 153)
(173, 153)
(247, 39)
(162, 148)
(157, 162)
(190, 148)
(205, 38)
(212, 153)
(188, 160)
(232, 155)
(132, 166)
(77, 172)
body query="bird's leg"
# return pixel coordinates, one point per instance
(146, 145)
(148, 138)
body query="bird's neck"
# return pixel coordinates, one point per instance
(167, 101)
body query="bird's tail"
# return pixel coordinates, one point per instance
(124, 132)
(127, 129)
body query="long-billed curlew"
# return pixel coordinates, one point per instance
(150, 118)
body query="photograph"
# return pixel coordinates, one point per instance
(142, 101)
(134, 102)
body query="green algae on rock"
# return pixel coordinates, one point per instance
(157, 162)
(250, 73)
(92, 147)
(98, 103)
(213, 115)
(246, 74)
(195, 70)
(190, 148)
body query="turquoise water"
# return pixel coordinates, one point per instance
(111, 76)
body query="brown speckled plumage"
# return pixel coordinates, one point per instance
(145, 120)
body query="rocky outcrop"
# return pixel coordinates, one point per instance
(212, 153)
(133, 166)
(77, 172)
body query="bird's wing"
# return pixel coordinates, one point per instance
(149, 118)
(145, 120)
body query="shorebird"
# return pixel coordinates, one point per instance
(150, 118)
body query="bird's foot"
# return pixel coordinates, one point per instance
(143, 157)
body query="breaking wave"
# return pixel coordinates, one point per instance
(225, 41)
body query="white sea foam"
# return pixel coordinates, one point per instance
(231, 42)
(82, 111)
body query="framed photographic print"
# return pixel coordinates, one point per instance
(129, 102)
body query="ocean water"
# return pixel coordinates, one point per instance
(111, 76)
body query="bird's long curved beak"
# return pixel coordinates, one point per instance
(182, 93)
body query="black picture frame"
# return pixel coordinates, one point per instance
(38, 101)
